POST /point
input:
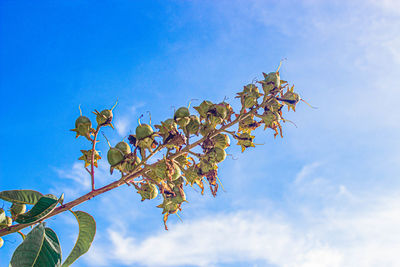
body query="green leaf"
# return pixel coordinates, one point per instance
(42, 208)
(87, 230)
(21, 196)
(40, 248)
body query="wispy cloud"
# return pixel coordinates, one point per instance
(352, 229)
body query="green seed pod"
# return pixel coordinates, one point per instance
(245, 140)
(214, 120)
(1, 242)
(206, 166)
(114, 156)
(180, 196)
(216, 155)
(182, 116)
(181, 113)
(161, 170)
(221, 140)
(221, 110)
(273, 105)
(203, 108)
(270, 82)
(169, 206)
(129, 165)
(17, 209)
(82, 126)
(123, 147)
(148, 191)
(104, 117)
(192, 175)
(193, 126)
(206, 128)
(290, 98)
(143, 131)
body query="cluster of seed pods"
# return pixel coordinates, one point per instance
(6, 221)
(181, 165)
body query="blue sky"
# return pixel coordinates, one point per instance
(327, 194)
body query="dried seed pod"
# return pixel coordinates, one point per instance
(148, 191)
(290, 98)
(17, 209)
(123, 147)
(248, 124)
(114, 156)
(83, 127)
(221, 140)
(182, 116)
(245, 140)
(87, 157)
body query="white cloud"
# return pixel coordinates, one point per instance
(350, 230)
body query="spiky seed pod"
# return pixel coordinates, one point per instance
(166, 127)
(168, 206)
(203, 108)
(270, 82)
(290, 98)
(180, 196)
(248, 124)
(17, 209)
(245, 140)
(221, 140)
(1, 242)
(87, 157)
(269, 118)
(193, 126)
(104, 117)
(83, 127)
(182, 116)
(273, 105)
(114, 156)
(123, 147)
(148, 191)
